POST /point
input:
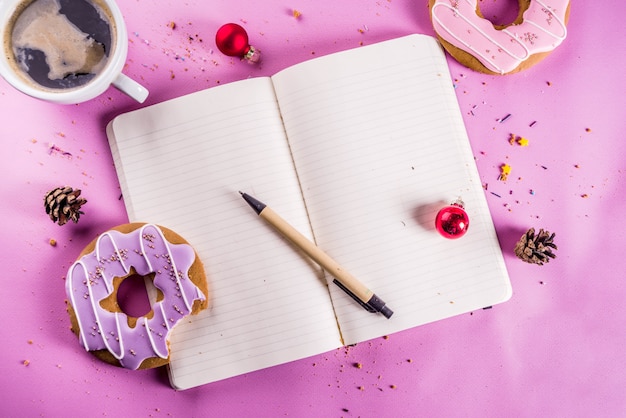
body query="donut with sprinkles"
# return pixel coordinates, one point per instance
(540, 26)
(93, 281)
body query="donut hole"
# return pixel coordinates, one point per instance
(500, 13)
(133, 295)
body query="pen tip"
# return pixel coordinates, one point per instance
(386, 312)
(240, 192)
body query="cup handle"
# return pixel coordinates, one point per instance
(131, 88)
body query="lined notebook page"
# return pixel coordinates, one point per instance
(379, 145)
(181, 164)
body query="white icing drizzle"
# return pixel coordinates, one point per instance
(474, 50)
(152, 342)
(169, 253)
(70, 276)
(472, 19)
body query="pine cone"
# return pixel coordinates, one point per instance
(536, 249)
(63, 204)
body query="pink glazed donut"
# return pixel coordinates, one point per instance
(93, 281)
(476, 43)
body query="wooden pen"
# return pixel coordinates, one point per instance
(346, 281)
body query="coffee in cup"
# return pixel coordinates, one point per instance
(60, 44)
(65, 51)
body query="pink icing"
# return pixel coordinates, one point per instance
(90, 280)
(501, 51)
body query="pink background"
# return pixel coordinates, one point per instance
(557, 348)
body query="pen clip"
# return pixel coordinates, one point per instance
(360, 302)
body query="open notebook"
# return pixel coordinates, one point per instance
(357, 150)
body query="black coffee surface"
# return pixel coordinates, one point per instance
(85, 16)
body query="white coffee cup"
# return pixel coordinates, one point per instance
(110, 74)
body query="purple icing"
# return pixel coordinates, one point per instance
(90, 280)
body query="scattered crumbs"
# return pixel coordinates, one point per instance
(53, 242)
(53, 149)
(487, 307)
(505, 170)
(532, 123)
(361, 388)
(26, 363)
(393, 386)
(532, 192)
(541, 282)
(345, 409)
(171, 25)
(409, 360)
(495, 194)
(584, 195)
(544, 167)
(576, 165)
(296, 14)
(358, 365)
(364, 29)
(500, 120)
(587, 129)
(30, 342)
(451, 302)
(385, 337)
(549, 83)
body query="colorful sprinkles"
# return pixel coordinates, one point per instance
(505, 170)
(519, 140)
(504, 119)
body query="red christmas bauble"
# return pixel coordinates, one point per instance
(452, 221)
(232, 40)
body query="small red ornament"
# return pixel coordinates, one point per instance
(232, 40)
(452, 220)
